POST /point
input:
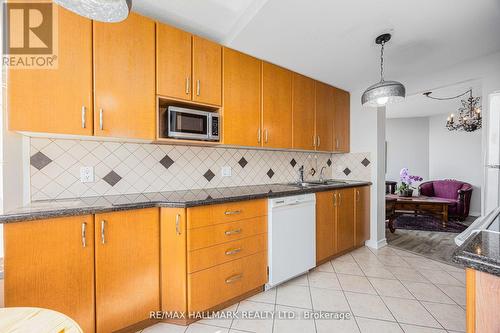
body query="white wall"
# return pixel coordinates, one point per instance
(456, 155)
(407, 147)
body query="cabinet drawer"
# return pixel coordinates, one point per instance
(218, 284)
(226, 212)
(218, 254)
(222, 233)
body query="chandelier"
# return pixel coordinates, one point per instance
(468, 118)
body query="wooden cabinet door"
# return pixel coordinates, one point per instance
(325, 113)
(207, 71)
(277, 106)
(56, 100)
(173, 62)
(342, 121)
(345, 219)
(325, 224)
(173, 259)
(242, 103)
(127, 274)
(50, 264)
(362, 196)
(124, 78)
(303, 112)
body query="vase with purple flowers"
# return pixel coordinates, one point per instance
(406, 188)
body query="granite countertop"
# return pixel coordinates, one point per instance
(481, 251)
(189, 198)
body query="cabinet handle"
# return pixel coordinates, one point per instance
(234, 278)
(314, 140)
(340, 199)
(336, 143)
(84, 111)
(103, 233)
(319, 141)
(188, 83)
(177, 224)
(233, 251)
(357, 195)
(266, 135)
(232, 212)
(334, 199)
(258, 135)
(101, 123)
(84, 234)
(198, 87)
(232, 232)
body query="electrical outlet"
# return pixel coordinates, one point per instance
(226, 171)
(87, 174)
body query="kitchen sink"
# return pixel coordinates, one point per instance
(316, 183)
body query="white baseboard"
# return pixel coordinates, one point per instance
(376, 244)
(474, 214)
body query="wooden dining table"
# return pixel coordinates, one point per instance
(36, 320)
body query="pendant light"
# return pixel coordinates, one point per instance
(99, 10)
(383, 92)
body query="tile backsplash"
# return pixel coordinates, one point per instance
(123, 168)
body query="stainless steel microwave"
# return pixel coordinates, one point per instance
(191, 124)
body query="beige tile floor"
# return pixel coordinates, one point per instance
(387, 291)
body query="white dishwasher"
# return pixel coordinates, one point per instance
(291, 237)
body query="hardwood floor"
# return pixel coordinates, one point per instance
(431, 244)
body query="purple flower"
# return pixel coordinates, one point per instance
(408, 179)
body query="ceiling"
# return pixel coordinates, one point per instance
(417, 105)
(333, 40)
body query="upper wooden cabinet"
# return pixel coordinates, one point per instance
(277, 106)
(342, 121)
(173, 62)
(303, 113)
(124, 78)
(188, 67)
(50, 264)
(242, 102)
(56, 100)
(127, 267)
(362, 214)
(207, 71)
(325, 114)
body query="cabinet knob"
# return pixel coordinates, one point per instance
(84, 120)
(178, 224)
(84, 234)
(103, 232)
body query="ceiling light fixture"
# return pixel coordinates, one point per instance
(99, 10)
(469, 114)
(383, 92)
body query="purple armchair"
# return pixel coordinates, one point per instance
(456, 192)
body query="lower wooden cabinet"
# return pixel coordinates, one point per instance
(212, 254)
(127, 274)
(338, 214)
(50, 264)
(362, 215)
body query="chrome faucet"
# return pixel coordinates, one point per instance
(321, 177)
(301, 174)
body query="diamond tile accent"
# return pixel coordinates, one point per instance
(365, 162)
(166, 162)
(152, 168)
(329, 162)
(242, 162)
(209, 175)
(40, 160)
(270, 173)
(112, 178)
(347, 171)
